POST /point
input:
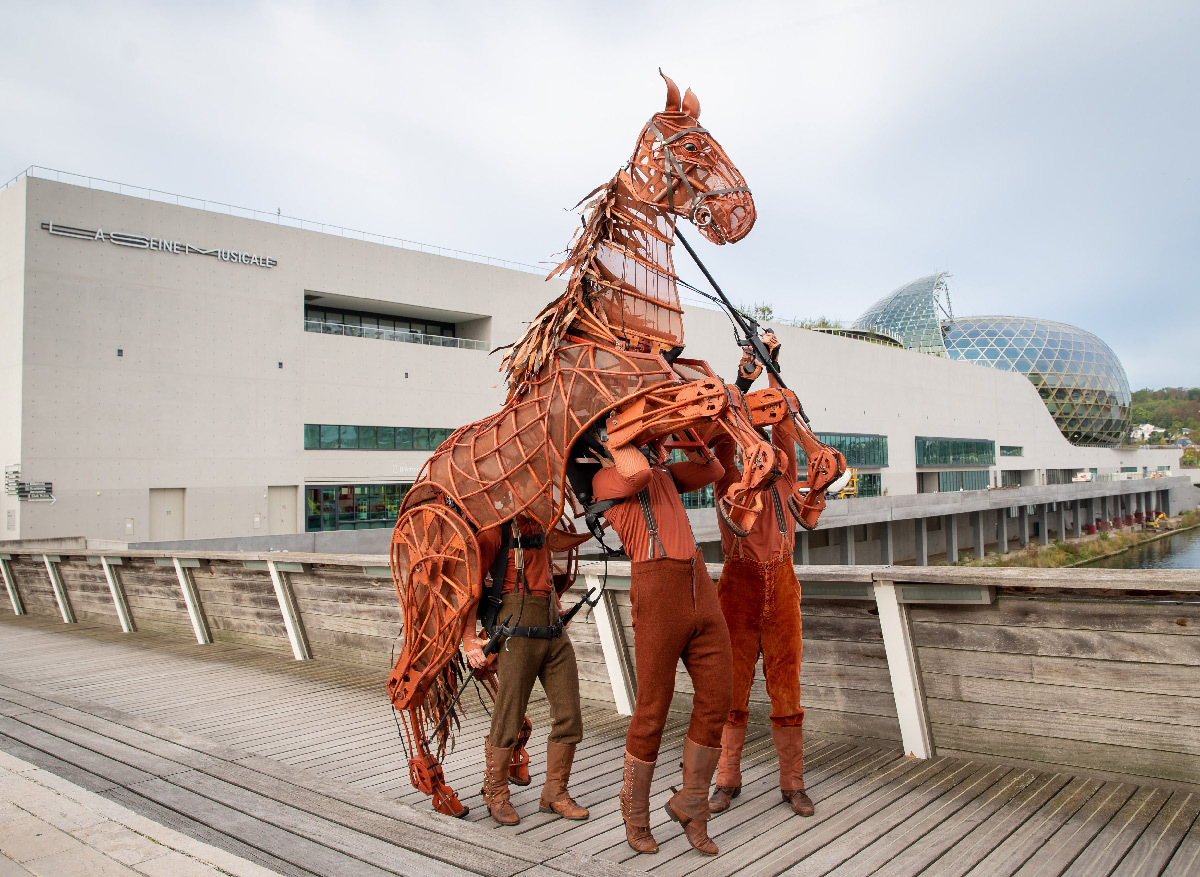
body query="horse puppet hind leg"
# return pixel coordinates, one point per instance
(435, 567)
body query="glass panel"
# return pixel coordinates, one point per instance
(366, 437)
(420, 438)
(404, 438)
(312, 436)
(329, 436)
(385, 437)
(349, 436)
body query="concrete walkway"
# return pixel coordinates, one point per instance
(52, 827)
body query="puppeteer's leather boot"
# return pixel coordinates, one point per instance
(555, 798)
(635, 804)
(789, 743)
(729, 769)
(495, 784)
(689, 805)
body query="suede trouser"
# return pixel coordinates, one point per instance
(521, 660)
(676, 615)
(761, 604)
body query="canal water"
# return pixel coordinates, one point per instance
(1177, 551)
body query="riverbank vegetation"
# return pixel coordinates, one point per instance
(1073, 552)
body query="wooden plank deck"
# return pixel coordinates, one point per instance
(298, 766)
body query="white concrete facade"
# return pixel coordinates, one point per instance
(217, 377)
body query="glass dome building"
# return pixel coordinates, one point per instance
(1077, 375)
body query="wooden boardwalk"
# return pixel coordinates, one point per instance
(298, 766)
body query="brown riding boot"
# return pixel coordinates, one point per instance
(555, 798)
(495, 784)
(635, 804)
(789, 743)
(729, 769)
(689, 806)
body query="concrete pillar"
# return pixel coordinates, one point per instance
(1023, 525)
(1002, 529)
(848, 546)
(1078, 518)
(804, 559)
(1166, 502)
(980, 535)
(921, 542)
(1139, 502)
(1062, 521)
(887, 548)
(950, 525)
(1044, 524)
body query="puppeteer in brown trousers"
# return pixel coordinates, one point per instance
(760, 599)
(675, 616)
(535, 647)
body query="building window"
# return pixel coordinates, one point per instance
(699, 499)
(1059, 476)
(388, 327)
(860, 450)
(326, 436)
(1010, 478)
(955, 452)
(870, 484)
(1012, 451)
(971, 479)
(352, 506)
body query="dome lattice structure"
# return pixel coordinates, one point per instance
(912, 314)
(1080, 379)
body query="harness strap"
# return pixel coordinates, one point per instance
(651, 524)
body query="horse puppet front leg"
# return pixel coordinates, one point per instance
(675, 409)
(781, 410)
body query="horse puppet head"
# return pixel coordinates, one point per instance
(679, 164)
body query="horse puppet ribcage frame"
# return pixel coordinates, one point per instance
(599, 363)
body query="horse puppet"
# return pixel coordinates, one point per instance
(598, 368)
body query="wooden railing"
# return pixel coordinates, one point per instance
(1083, 670)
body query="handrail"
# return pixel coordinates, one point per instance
(324, 327)
(1074, 578)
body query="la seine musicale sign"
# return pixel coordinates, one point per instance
(140, 242)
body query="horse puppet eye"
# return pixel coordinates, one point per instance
(690, 147)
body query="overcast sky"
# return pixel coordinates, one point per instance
(1042, 152)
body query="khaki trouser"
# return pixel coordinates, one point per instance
(522, 660)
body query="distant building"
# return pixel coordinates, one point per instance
(1143, 432)
(186, 372)
(1079, 378)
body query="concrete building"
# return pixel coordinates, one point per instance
(172, 372)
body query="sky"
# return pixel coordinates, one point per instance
(1043, 152)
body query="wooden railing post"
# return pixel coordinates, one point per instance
(11, 584)
(905, 674)
(60, 593)
(616, 652)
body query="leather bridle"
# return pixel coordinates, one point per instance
(698, 214)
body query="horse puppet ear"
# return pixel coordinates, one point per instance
(691, 105)
(672, 93)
